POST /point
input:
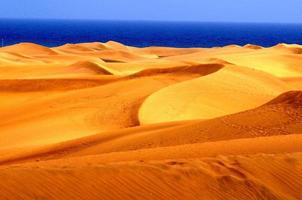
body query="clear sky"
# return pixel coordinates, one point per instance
(165, 10)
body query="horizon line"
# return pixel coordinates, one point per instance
(148, 20)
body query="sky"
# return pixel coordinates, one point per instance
(278, 11)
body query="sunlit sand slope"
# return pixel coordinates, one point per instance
(227, 91)
(281, 116)
(110, 121)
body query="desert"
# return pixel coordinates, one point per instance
(111, 121)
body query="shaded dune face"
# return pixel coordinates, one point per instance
(109, 121)
(293, 98)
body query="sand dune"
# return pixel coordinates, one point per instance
(252, 46)
(240, 89)
(165, 51)
(111, 106)
(233, 177)
(110, 121)
(89, 66)
(31, 85)
(295, 82)
(28, 49)
(281, 116)
(281, 62)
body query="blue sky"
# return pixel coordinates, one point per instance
(165, 10)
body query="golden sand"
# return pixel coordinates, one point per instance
(109, 121)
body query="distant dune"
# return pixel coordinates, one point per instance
(29, 49)
(110, 121)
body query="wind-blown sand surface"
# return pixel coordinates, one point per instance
(109, 121)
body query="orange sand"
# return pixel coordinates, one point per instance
(109, 121)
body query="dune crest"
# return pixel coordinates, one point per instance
(293, 98)
(90, 66)
(29, 49)
(252, 46)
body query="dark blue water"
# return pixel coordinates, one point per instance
(177, 34)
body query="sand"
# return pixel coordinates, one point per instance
(110, 121)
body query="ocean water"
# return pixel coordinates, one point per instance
(175, 34)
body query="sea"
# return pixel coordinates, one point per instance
(147, 33)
